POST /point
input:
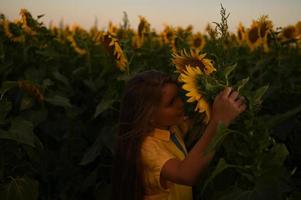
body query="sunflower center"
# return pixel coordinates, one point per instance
(289, 32)
(197, 63)
(253, 35)
(197, 42)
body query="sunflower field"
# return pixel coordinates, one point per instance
(60, 91)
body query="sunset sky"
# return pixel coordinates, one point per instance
(173, 12)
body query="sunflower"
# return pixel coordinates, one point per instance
(253, 36)
(113, 46)
(112, 29)
(27, 22)
(143, 28)
(198, 42)
(190, 77)
(265, 29)
(73, 40)
(10, 29)
(298, 29)
(288, 33)
(168, 34)
(241, 34)
(193, 59)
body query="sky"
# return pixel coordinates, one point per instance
(158, 12)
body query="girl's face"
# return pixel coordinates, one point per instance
(171, 108)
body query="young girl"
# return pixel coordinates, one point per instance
(151, 161)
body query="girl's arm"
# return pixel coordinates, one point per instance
(226, 107)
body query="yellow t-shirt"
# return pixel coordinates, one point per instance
(156, 150)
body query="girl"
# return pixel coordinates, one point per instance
(151, 161)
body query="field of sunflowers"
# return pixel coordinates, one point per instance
(60, 91)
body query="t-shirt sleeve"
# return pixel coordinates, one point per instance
(154, 156)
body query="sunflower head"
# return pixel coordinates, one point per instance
(13, 31)
(265, 26)
(190, 77)
(241, 33)
(198, 42)
(112, 29)
(298, 28)
(253, 36)
(28, 23)
(113, 47)
(288, 33)
(168, 34)
(143, 27)
(193, 59)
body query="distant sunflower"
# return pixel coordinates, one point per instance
(192, 59)
(168, 35)
(143, 28)
(265, 26)
(27, 22)
(265, 29)
(241, 34)
(112, 29)
(114, 48)
(74, 43)
(198, 42)
(288, 33)
(298, 29)
(13, 31)
(253, 36)
(189, 76)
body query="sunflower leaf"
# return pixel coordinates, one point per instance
(241, 83)
(228, 70)
(20, 189)
(221, 166)
(7, 85)
(219, 137)
(259, 93)
(20, 131)
(59, 101)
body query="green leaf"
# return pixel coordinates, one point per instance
(103, 105)
(7, 85)
(58, 76)
(275, 157)
(229, 69)
(235, 193)
(259, 93)
(5, 107)
(59, 101)
(241, 84)
(20, 189)
(20, 131)
(221, 166)
(271, 121)
(218, 138)
(93, 151)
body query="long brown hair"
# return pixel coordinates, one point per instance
(141, 97)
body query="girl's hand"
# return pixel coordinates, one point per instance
(227, 105)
